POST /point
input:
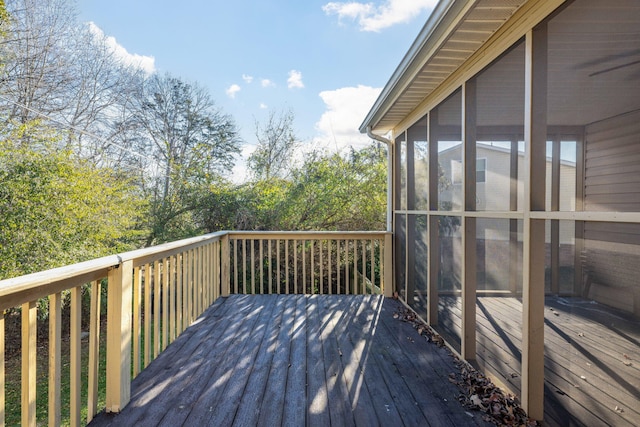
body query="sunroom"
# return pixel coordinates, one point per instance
(514, 135)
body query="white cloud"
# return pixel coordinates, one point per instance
(248, 79)
(263, 106)
(266, 83)
(346, 108)
(143, 62)
(240, 172)
(233, 90)
(375, 18)
(295, 80)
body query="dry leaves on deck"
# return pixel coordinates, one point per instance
(478, 392)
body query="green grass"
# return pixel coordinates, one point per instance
(13, 372)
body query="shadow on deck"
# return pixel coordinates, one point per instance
(297, 360)
(592, 375)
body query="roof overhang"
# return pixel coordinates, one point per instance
(455, 30)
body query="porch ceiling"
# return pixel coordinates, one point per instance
(454, 32)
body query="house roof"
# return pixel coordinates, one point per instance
(455, 30)
(483, 146)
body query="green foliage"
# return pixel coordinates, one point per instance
(56, 208)
(333, 192)
(327, 192)
(4, 18)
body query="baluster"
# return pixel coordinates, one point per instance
(260, 242)
(2, 380)
(338, 244)
(137, 314)
(330, 265)
(236, 256)
(270, 267)
(312, 256)
(55, 373)
(94, 343)
(165, 303)
(286, 265)
(278, 265)
(157, 292)
(179, 289)
(321, 267)
(75, 361)
(173, 270)
(244, 266)
(364, 266)
(303, 254)
(347, 290)
(29, 331)
(373, 260)
(147, 314)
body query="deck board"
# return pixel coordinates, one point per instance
(297, 360)
(582, 339)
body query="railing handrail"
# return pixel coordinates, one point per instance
(301, 235)
(29, 287)
(143, 256)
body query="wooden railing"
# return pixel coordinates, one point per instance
(307, 262)
(154, 294)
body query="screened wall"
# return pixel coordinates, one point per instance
(517, 215)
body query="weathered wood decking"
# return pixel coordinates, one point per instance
(592, 356)
(297, 360)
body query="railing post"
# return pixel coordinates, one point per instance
(29, 333)
(225, 280)
(388, 265)
(119, 300)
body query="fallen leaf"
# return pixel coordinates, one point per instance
(475, 399)
(627, 363)
(618, 409)
(625, 355)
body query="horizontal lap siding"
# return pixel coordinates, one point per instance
(612, 183)
(612, 164)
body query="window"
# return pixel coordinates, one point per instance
(481, 171)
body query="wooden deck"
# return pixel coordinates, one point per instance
(297, 360)
(592, 356)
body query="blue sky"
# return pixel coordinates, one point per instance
(325, 61)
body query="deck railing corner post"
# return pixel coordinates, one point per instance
(225, 279)
(119, 303)
(388, 265)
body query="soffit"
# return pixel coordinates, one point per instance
(467, 33)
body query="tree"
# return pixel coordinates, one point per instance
(58, 209)
(67, 73)
(332, 192)
(37, 65)
(276, 144)
(191, 142)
